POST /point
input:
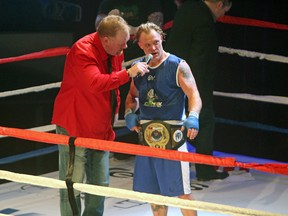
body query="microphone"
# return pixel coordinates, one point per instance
(148, 58)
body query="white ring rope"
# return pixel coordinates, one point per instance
(251, 54)
(265, 98)
(30, 89)
(242, 53)
(127, 194)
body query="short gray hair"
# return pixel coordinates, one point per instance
(110, 25)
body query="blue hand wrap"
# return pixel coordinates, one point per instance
(131, 120)
(191, 122)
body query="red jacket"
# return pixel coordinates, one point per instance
(82, 105)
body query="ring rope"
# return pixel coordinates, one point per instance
(53, 52)
(63, 50)
(251, 22)
(30, 89)
(133, 149)
(44, 128)
(265, 98)
(251, 54)
(240, 21)
(127, 194)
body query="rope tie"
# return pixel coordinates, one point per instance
(68, 180)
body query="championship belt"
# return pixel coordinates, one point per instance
(160, 134)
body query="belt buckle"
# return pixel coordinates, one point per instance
(158, 134)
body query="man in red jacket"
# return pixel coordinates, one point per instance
(83, 105)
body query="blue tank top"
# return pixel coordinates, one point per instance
(160, 96)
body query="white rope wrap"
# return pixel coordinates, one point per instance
(127, 194)
(251, 54)
(265, 98)
(30, 89)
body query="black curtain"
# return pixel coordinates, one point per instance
(252, 127)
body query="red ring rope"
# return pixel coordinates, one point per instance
(276, 168)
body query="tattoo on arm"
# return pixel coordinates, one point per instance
(156, 208)
(185, 71)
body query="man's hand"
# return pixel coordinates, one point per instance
(138, 69)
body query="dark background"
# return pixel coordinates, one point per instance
(245, 127)
(255, 136)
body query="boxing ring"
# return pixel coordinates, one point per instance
(41, 134)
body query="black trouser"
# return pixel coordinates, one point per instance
(204, 142)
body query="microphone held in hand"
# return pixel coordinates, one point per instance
(148, 58)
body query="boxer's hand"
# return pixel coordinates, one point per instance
(131, 120)
(192, 126)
